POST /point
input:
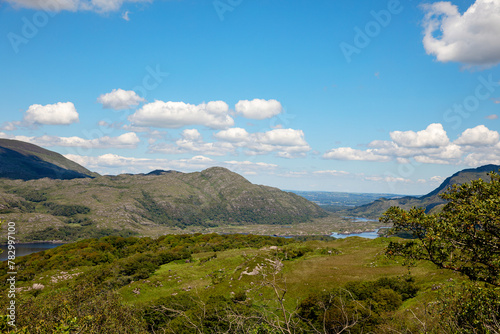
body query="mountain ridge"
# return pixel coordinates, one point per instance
(25, 161)
(125, 204)
(431, 201)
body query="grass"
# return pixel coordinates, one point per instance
(359, 260)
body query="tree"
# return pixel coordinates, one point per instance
(464, 236)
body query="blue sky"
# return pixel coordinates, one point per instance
(386, 96)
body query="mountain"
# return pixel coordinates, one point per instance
(431, 202)
(25, 161)
(145, 204)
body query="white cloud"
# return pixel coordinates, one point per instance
(437, 178)
(287, 143)
(161, 114)
(433, 136)
(133, 164)
(233, 135)
(10, 126)
(478, 136)
(282, 137)
(258, 109)
(100, 6)
(331, 172)
(348, 153)
(471, 38)
(126, 140)
(424, 159)
(119, 99)
(430, 146)
(492, 117)
(389, 179)
(191, 141)
(61, 113)
(113, 163)
(480, 159)
(249, 167)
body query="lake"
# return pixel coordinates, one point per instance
(25, 249)
(369, 235)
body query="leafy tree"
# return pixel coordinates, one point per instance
(464, 236)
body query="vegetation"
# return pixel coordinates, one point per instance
(70, 233)
(463, 237)
(209, 283)
(235, 283)
(146, 204)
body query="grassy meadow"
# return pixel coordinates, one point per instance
(260, 283)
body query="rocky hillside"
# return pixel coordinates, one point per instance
(145, 204)
(431, 202)
(25, 161)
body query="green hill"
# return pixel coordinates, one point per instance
(151, 204)
(431, 201)
(25, 161)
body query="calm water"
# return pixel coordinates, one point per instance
(25, 249)
(361, 219)
(369, 235)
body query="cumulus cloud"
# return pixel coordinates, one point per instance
(470, 38)
(348, 153)
(282, 137)
(492, 117)
(119, 99)
(286, 143)
(61, 113)
(100, 6)
(233, 135)
(433, 136)
(191, 141)
(172, 115)
(478, 136)
(126, 140)
(431, 146)
(483, 158)
(258, 109)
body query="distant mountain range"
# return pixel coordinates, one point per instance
(51, 197)
(335, 200)
(431, 202)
